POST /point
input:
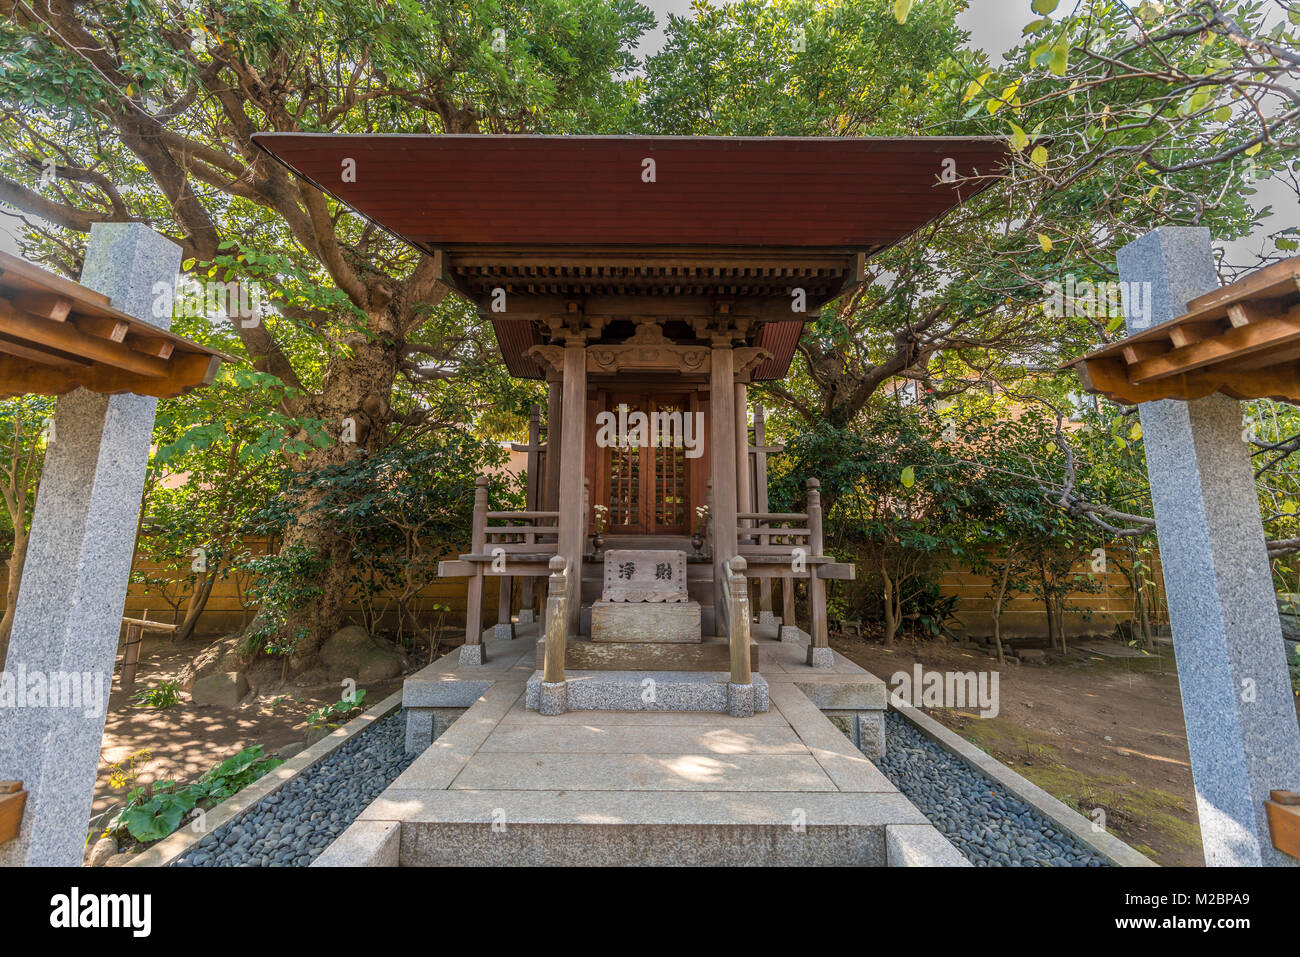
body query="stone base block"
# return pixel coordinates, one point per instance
(789, 633)
(821, 657)
(419, 729)
(866, 729)
(649, 691)
(920, 845)
(657, 622)
(472, 654)
(364, 844)
(426, 725)
(767, 618)
(503, 631)
(526, 616)
(553, 697)
(871, 734)
(740, 700)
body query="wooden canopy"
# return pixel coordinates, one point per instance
(56, 335)
(626, 227)
(1242, 340)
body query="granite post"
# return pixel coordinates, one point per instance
(69, 605)
(1237, 702)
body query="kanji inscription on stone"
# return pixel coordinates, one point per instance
(645, 576)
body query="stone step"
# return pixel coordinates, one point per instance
(656, 829)
(711, 654)
(649, 691)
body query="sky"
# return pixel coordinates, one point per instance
(995, 26)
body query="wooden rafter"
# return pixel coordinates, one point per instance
(56, 335)
(1242, 340)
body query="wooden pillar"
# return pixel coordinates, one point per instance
(761, 503)
(556, 639)
(819, 652)
(787, 602)
(131, 654)
(739, 590)
(532, 497)
(722, 417)
(744, 490)
(474, 599)
(504, 596)
(573, 530)
(554, 441)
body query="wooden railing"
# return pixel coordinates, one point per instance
(557, 602)
(525, 532)
(779, 533)
(735, 589)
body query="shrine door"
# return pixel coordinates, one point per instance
(646, 486)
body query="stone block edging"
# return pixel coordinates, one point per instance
(1073, 823)
(183, 839)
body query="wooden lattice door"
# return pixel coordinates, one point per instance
(647, 486)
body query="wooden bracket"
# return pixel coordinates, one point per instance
(1283, 812)
(12, 801)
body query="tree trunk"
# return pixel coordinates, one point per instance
(15, 578)
(1047, 604)
(997, 612)
(891, 616)
(1058, 616)
(198, 602)
(358, 388)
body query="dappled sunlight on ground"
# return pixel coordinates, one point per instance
(185, 741)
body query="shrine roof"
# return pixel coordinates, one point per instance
(554, 220)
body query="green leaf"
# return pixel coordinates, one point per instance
(1019, 138)
(975, 86)
(1039, 157)
(901, 9)
(908, 477)
(1044, 7)
(1060, 61)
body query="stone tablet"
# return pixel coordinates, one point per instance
(644, 576)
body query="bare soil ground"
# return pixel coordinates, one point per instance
(185, 740)
(1093, 732)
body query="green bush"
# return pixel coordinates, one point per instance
(164, 695)
(153, 812)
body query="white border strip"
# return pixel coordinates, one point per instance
(183, 839)
(1060, 814)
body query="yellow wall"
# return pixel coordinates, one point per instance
(1023, 615)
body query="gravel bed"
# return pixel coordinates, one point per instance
(292, 826)
(988, 824)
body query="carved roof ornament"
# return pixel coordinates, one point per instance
(749, 358)
(649, 350)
